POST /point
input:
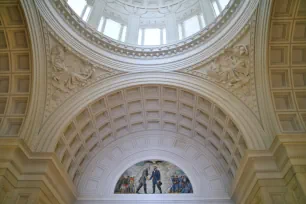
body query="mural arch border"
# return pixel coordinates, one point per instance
(115, 158)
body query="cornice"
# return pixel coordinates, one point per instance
(37, 170)
(279, 164)
(94, 50)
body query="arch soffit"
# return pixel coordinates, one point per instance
(39, 82)
(247, 122)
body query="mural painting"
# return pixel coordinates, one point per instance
(149, 177)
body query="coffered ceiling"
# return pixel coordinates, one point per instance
(15, 69)
(141, 109)
(287, 64)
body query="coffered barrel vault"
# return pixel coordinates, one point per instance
(144, 108)
(15, 69)
(287, 65)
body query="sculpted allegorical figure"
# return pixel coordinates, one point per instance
(63, 78)
(231, 68)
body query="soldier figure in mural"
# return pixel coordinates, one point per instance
(180, 184)
(156, 179)
(143, 181)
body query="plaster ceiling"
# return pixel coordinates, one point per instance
(150, 3)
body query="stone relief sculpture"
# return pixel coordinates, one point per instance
(232, 68)
(65, 77)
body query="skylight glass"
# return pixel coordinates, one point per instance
(223, 3)
(77, 5)
(119, 29)
(152, 36)
(216, 7)
(191, 26)
(86, 14)
(112, 29)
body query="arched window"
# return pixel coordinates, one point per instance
(219, 5)
(112, 29)
(152, 36)
(81, 8)
(191, 26)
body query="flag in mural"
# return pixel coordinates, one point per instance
(149, 177)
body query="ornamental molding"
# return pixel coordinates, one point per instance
(68, 71)
(134, 51)
(126, 58)
(233, 68)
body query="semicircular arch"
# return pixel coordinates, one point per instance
(242, 116)
(103, 170)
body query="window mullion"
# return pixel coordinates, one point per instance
(83, 11)
(219, 6)
(161, 37)
(183, 30)
(104, 24)
(120, 33)
(143, 36)
(200, 21)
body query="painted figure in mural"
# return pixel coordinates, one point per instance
(125, 185)
(186, 186)
(143, 181)
(175, 184)
(156, 179)
(168, 178)
(131, 188)
(180, 185)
